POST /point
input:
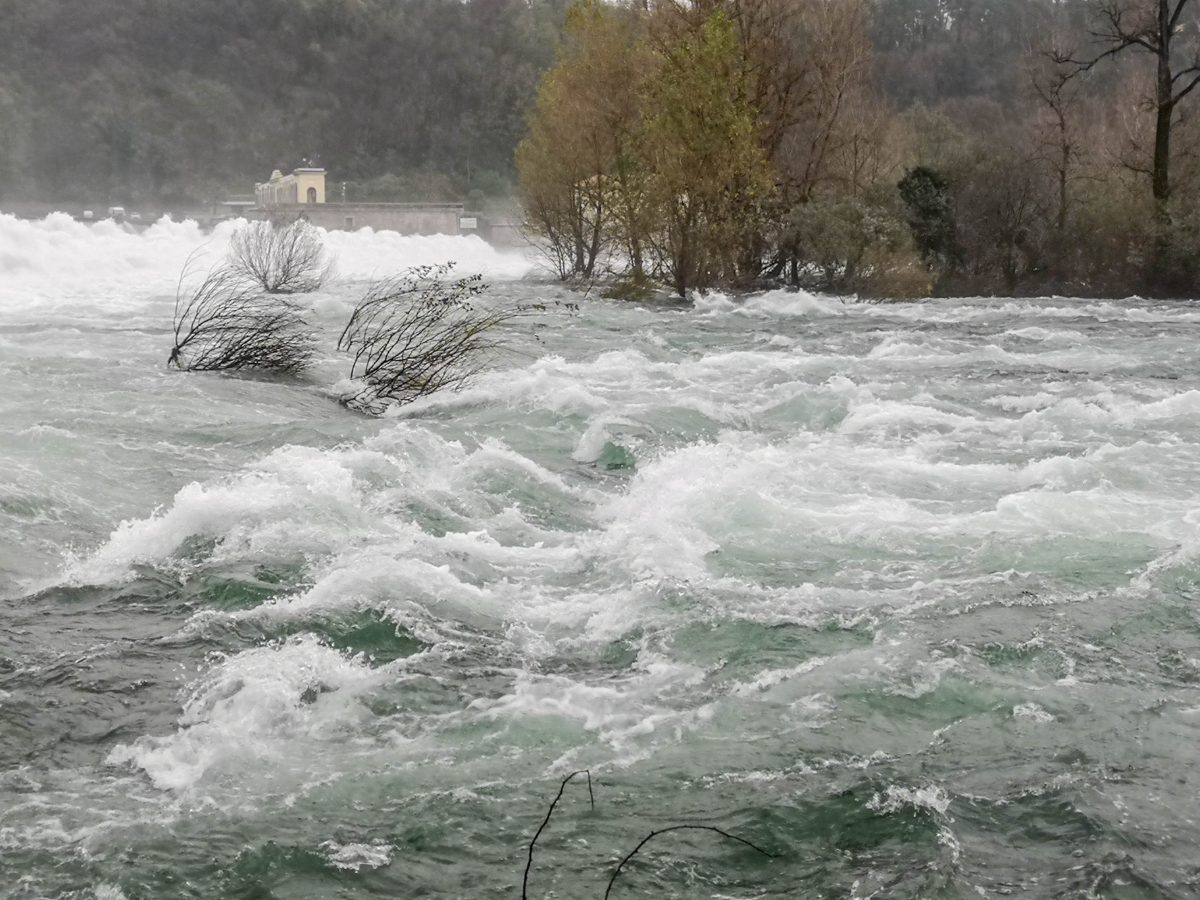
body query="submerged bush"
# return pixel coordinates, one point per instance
(281, 259)
(418, 333)
(225, 324)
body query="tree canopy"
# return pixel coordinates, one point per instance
(885, 147)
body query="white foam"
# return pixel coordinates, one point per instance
(58, 260)
(355, 857)
(619, 712)
(366, 253)
(303, 502)
(895, 797)
(771, 304)
(252, 708)
(1032, 712)
(296, 500)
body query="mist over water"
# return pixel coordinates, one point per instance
(904, 594)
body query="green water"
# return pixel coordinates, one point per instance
(904, 595)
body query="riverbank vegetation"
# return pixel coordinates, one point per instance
(884, 147)
(889, 149)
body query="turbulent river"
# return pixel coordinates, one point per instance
(905, 595)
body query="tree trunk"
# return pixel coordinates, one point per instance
(1161, 180)
(683, 257)
(1063, 172)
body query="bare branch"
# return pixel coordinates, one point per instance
(224, 324)
(282, 259)
(546, 821)
(654, 834)
(417, 333)
(1190, 87)
(1180, 6)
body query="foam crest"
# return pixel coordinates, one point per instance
(894, 798)
(366, 253)
(888, 415)
(549, 384)
(1106, 409)
(747, 504)
(296, 500)
(417, 594)
(254, 707)
(618, 712)
(56, 257)
(771, 304)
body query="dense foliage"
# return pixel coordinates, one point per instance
(884, 147)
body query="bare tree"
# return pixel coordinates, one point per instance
(282, 259)
(1056, 137)
(1157, 27)
(225, 324)
(418, 333)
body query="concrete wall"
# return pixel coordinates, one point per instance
(406, 218)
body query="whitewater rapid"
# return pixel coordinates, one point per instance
(902, 593)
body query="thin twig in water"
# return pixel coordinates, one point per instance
(546, 821)
(654, 834)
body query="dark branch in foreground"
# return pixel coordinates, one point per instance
(225, 324)
(417, 333)
(546, 821)
(654, 834)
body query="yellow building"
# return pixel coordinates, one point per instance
(304, 186)
(301, 195)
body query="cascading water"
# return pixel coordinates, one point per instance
(904, 594)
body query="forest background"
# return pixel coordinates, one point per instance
(885, 147)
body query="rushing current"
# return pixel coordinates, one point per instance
(904, 595)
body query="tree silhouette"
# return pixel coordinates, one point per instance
(225, 324)
(418, 333)
(280, 259)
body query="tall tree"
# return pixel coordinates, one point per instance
(1056, 137)
(574, 164)
(1159, 27)
(706, 168)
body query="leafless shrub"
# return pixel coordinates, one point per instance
(418, 333)
(281, 258)
(225, 324)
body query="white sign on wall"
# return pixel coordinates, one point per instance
(468, 222)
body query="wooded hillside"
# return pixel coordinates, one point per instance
(128, 100)
(136, 100)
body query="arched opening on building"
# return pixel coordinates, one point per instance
(312, 195)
